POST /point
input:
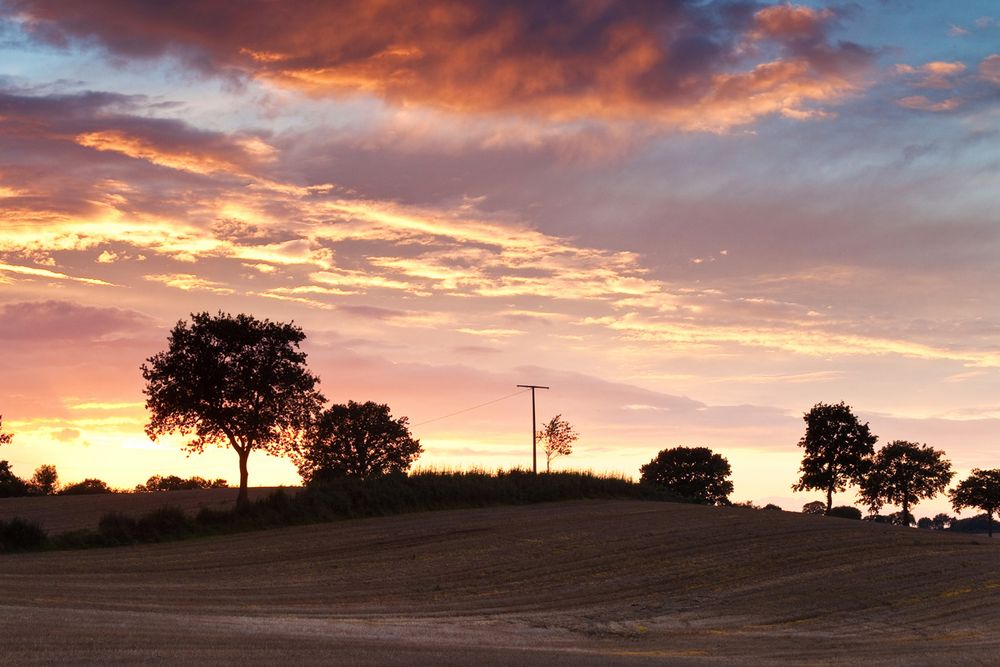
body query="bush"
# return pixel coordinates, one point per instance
(163, 523)
(10, 484)
(773, 507)
(815, 508)
(845, 512)
(86, 487)
(175, 483)
(20, 535)
(117, 528)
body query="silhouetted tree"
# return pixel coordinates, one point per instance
(10, 484)
(772, 506)
(558, 437)
(5, 438)
(45, 481)
(925, 523)
(902, 473)
(357, 440)
(232, 380)
(691, 472)
(980, 490)
(941, 521)
(837, 450)
(845, 512)
(814, 507)
(89, 486)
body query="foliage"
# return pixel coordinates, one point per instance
(845, 512)
(980, 490)
(10, 484)
(20, 535)
(837, 450)
(941, 521)
(691, 472)
(88, 486)
(175, 483)
(974, 524)
(232, 381)
(357, 440)
(925, 523)
(902, 473)
(772, 506)
(5, 438)
(354, 497)
(45, 481)
(814, 507)
(558, 437)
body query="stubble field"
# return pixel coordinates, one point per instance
(570, 583)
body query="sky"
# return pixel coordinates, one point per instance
(693, 220)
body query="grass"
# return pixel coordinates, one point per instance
(338, 499)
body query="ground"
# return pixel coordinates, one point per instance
(570, 583)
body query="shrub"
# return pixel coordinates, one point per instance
(20, 535)
(117, 528)
(10, 484)
(86, 487)
(845, 512)
(773, 507)
(815, 507)
(163, 523)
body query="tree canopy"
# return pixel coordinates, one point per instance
(558, 437)
(357, 440)
(980, 490)
(45, 481)
(902, 473)
(692, 472)
(232, 381)
(837, 447)
(5, 438)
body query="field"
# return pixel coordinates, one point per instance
(569, 583)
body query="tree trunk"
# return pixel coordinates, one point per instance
(829, 499)
(243, 499)
(906, 511)
(989, 523)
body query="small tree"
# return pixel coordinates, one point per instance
(980, 490)
(941, 521)
(837, 450)
(691, 472)
(232, 381)
(89, 486)
(357, 440)
(903, 473)
(845, 512)
(45, 481)
(814, 507)
(558, 436)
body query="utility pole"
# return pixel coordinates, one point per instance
(534, 429)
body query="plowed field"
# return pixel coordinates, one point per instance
(575, 583)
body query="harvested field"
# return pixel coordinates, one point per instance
(571, 583)
(58, 514)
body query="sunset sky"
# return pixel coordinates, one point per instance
(693, 220)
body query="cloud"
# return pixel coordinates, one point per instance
(680, 63)
(66, 434)
(48, 320)
(923, 103)
(989, 68)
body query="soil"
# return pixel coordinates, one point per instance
(571, 583)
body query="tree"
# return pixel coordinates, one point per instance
(5, 438)
(980, 490)
(902, 473)
(357, 440)
(89, 486)
(845, 512)
(814, 507)
(941, 521)
(691, 472)
(232, 381)
(45, 481)
(837, 450)
(10, 484)
(558, 437)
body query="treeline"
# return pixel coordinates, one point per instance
(339, 498)
(45, 482)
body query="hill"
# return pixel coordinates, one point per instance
(571, 583)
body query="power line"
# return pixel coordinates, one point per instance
(474, 407)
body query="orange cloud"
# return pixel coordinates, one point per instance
(558, 59)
